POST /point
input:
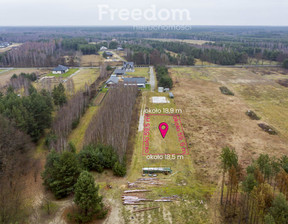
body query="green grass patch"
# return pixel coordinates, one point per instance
(140, 72)
(147, 87)
(65, 75)
(78, 134)
(104, 90)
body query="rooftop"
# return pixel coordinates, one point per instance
(60, 68)
(135, 80)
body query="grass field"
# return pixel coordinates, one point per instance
(254, 61)
(198, 73)
(78, 134)
(199, 62)
(65, 75)
(99, 98)
(199, 42)
(91, 60)
(213, 120)
(85, 75)
(181, 183)
(140, 72)
(6, 75)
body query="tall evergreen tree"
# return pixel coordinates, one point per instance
(86, 196)
(228, 159)
(61, 173)
(59, 95)
(279, 209)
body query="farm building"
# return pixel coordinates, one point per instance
(160, 89)
(113, 80)
(128, 66)
(60, 69)
(164, 170)
(119, 71)
(139, 81)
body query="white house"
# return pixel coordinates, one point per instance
(60, 69)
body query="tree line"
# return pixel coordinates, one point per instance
(16, 165)
(163, 77)
(258, 195)
(111, 125)
(158, 52)
(70, 112)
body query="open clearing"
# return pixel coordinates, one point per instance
(199, 42)
(174, 141)
(78, 134)
(6, 75)
(212, 120)
(140, 72)
(191, 203)
(85, 75)
(92, 60)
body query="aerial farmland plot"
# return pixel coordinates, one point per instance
(85, 76)
(213, 120)
(5, 75)
(181, 188)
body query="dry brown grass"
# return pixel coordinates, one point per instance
(212, 120)
(91, 60)
(85, 75)
(5, 76)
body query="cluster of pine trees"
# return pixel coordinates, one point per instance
(163, 78)
(100, 157)
(258, 195)
(30, 114)
(67, 173)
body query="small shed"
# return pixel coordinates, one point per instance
(160, 89)
(165, 170)
(171, 95)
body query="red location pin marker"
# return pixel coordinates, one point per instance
(163, 128)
